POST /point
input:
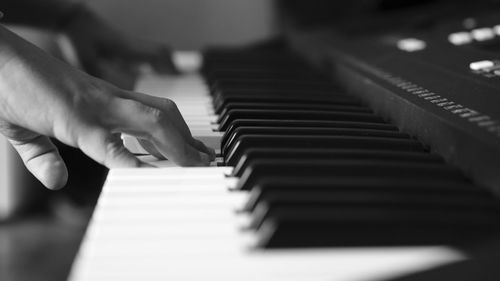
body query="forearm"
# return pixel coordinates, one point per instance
(47, 14)
(19, 75)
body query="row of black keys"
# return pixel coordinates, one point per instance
(323, 170)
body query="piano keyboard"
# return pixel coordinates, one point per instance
(311, 185)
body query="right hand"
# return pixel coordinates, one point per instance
(41, 97)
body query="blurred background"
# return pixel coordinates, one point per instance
(186, 24)
(191, 24)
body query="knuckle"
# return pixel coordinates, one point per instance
(168, 104)
(104, 110)
(153, 114)
(93, 94)
(93, 102)
(158, 116)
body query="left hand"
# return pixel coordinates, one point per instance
(107, 53)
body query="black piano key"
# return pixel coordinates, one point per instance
(245, 143)
(220, 103)
(274, 92)
(347, 169)
(379, 199)
(228, 139)
(280, 96)
(297, 115)
(312, 190)
(308, 123)
(372, 226)
(297, 154)
(336, 184)
(220, 86)
(292, 106)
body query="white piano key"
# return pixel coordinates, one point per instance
(167, 172)
(204, 201)
(350, 264)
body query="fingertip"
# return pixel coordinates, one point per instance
(205, 159)
(52, 173)
(212, 153)
(203, 148)
(192, 157)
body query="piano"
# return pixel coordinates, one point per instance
(341, 158)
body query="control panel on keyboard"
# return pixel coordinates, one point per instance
(441, 91)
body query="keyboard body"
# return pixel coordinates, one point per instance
(381, 164)
(177, 223)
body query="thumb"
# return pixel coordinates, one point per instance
(43, 160)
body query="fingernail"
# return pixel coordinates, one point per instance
(212, 153)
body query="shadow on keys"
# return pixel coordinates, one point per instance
(483, 268)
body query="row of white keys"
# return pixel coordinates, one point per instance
(181, 224)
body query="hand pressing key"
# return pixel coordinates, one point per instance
(41, 97)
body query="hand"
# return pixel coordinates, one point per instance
(41, 97)
(98, 46)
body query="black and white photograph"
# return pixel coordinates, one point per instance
(249, 140)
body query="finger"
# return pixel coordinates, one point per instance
(202, 147)
(175, 116)
(107, 149)
(183, 154)
(149, 147)
(166, 105)
(174, 147)
(155, 126)
(200, 159)
(43, 160)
